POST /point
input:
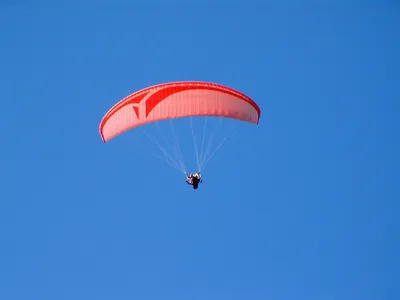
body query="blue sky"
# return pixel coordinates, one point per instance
(313, 209)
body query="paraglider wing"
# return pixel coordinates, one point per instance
(175, 100)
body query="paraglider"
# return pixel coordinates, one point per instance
(178, 100)
(194, 180)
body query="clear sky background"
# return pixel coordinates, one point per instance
(313, 209)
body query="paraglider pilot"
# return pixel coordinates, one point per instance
(194, 180)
